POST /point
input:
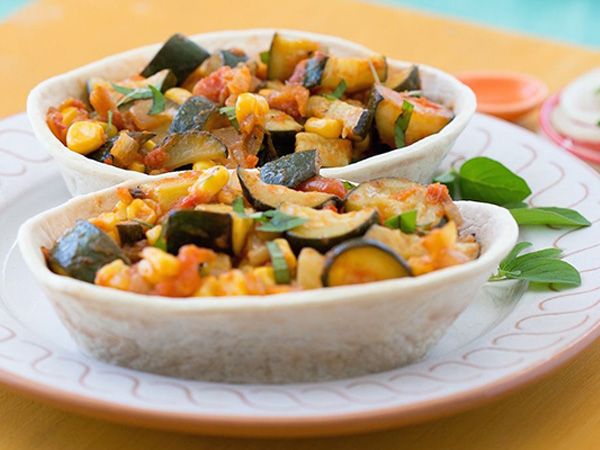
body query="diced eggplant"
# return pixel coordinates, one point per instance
(285, 53)
(325, 228)
(267, 152)
(198, 113)
(82, 251)
(191, 147)
(356, 120)
(356, 72)
(220, 59)
(332, 152)
(394, 196)
(291, 170)
(313, 72)
(405, 80)
(427, 118)
(263, 196)
(130, 232)
(180, 55)
(359, 261)
(282, 128)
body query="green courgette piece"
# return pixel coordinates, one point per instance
(283, 128)
(197, 113)
(206, 229)
(280, 266)
(191, 147)
(267, 152)
(357, 121)
(361, 260)
(130, 232)
(406, 80)
(82, 251)
(291, 170)
(285, 53)
(262, 196)
(325, 228)
(333, 152)
(314, 70)
(232, 59)
(103, 153)
(180, 55)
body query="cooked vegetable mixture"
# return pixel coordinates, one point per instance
(284, 228)
(191, 109)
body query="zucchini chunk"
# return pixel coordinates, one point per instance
(405, 80)
(130, 232)
(332, 152)
(263, 196)
(283, 128)
(180, 55)
(191, 147)
(354, 71)
(197, 113)
(103, 153)
(427, 117)
(203, 228)
(285, 53)
(313, 72)
(220, 59)
(361, 261)
(291, 170)
(393, 196)
(356, 120)
(82, 251)
(325, 228)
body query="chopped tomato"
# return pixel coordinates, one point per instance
(224, 85)
(56, 125)
(188, 280)
(156, 159)
(291, 98)
(328, 185)
(437, 193)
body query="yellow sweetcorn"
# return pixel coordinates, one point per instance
(84, 137)
(139, 209)
(69, 114)
(137, 166)
(203, 165)
(157, 265)
(110, 132)
(211, 181)
(250, 110)
(266, 274)
(178, 95)
(149, 145)
(328, 128)
(106, 221)
(153, 234)
(115, 275)
(120, 210)
(210, 287)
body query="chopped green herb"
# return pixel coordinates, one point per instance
(562, 217)
(280, 266)
(121, 89)
(229, 111)
(486, 180)
(338, 92)
(161, 242)
(158, 102)
(349, 185)
(279, 221)
(141, 222)
(406, 222)
(401, 124)
(265, 56)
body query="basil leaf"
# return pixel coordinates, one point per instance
(510, 258)
(448, 179)
(136, 94)
(406, 222)
(549, 216)
(349, 185)
(338, 92)
(238, 207)
(280, 222)
(145, 224)
(401, 124)
(484, 179)
(280, 266)
(229, 111)
(265, 57)
(158, 101)
(121, 89)
(516, 205)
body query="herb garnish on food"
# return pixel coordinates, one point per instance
(401, 124)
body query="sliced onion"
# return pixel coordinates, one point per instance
(578, 131)
(580, 100)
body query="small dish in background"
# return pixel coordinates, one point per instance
(508, 95)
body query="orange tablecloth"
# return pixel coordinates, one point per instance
(52, 36)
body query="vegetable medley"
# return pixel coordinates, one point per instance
(192, 109)
(284, 228)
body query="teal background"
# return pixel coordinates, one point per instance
(575, 21)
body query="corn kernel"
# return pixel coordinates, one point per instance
(203, 165)
(84, 137)
(266, 274)
(139, 209)
(115, 275)
(150, 145)
(157, 265)
(153, 234)
(288, 254)
(328, 128)
(110, 132)
(69, 114)
(120, 210)
(250, 110)
(178, 95)
(137, 167)
(106, 221)
(211, 181)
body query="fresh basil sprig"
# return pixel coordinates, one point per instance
(143, 93)
(543, 266)
(401, 124)
(406, 222)
(272, 220)
(349, 185)
(338, 92)
(229, 111)
(549, 215)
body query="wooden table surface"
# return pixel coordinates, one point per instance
(52, 36)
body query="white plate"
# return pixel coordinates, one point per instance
(502, 341)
